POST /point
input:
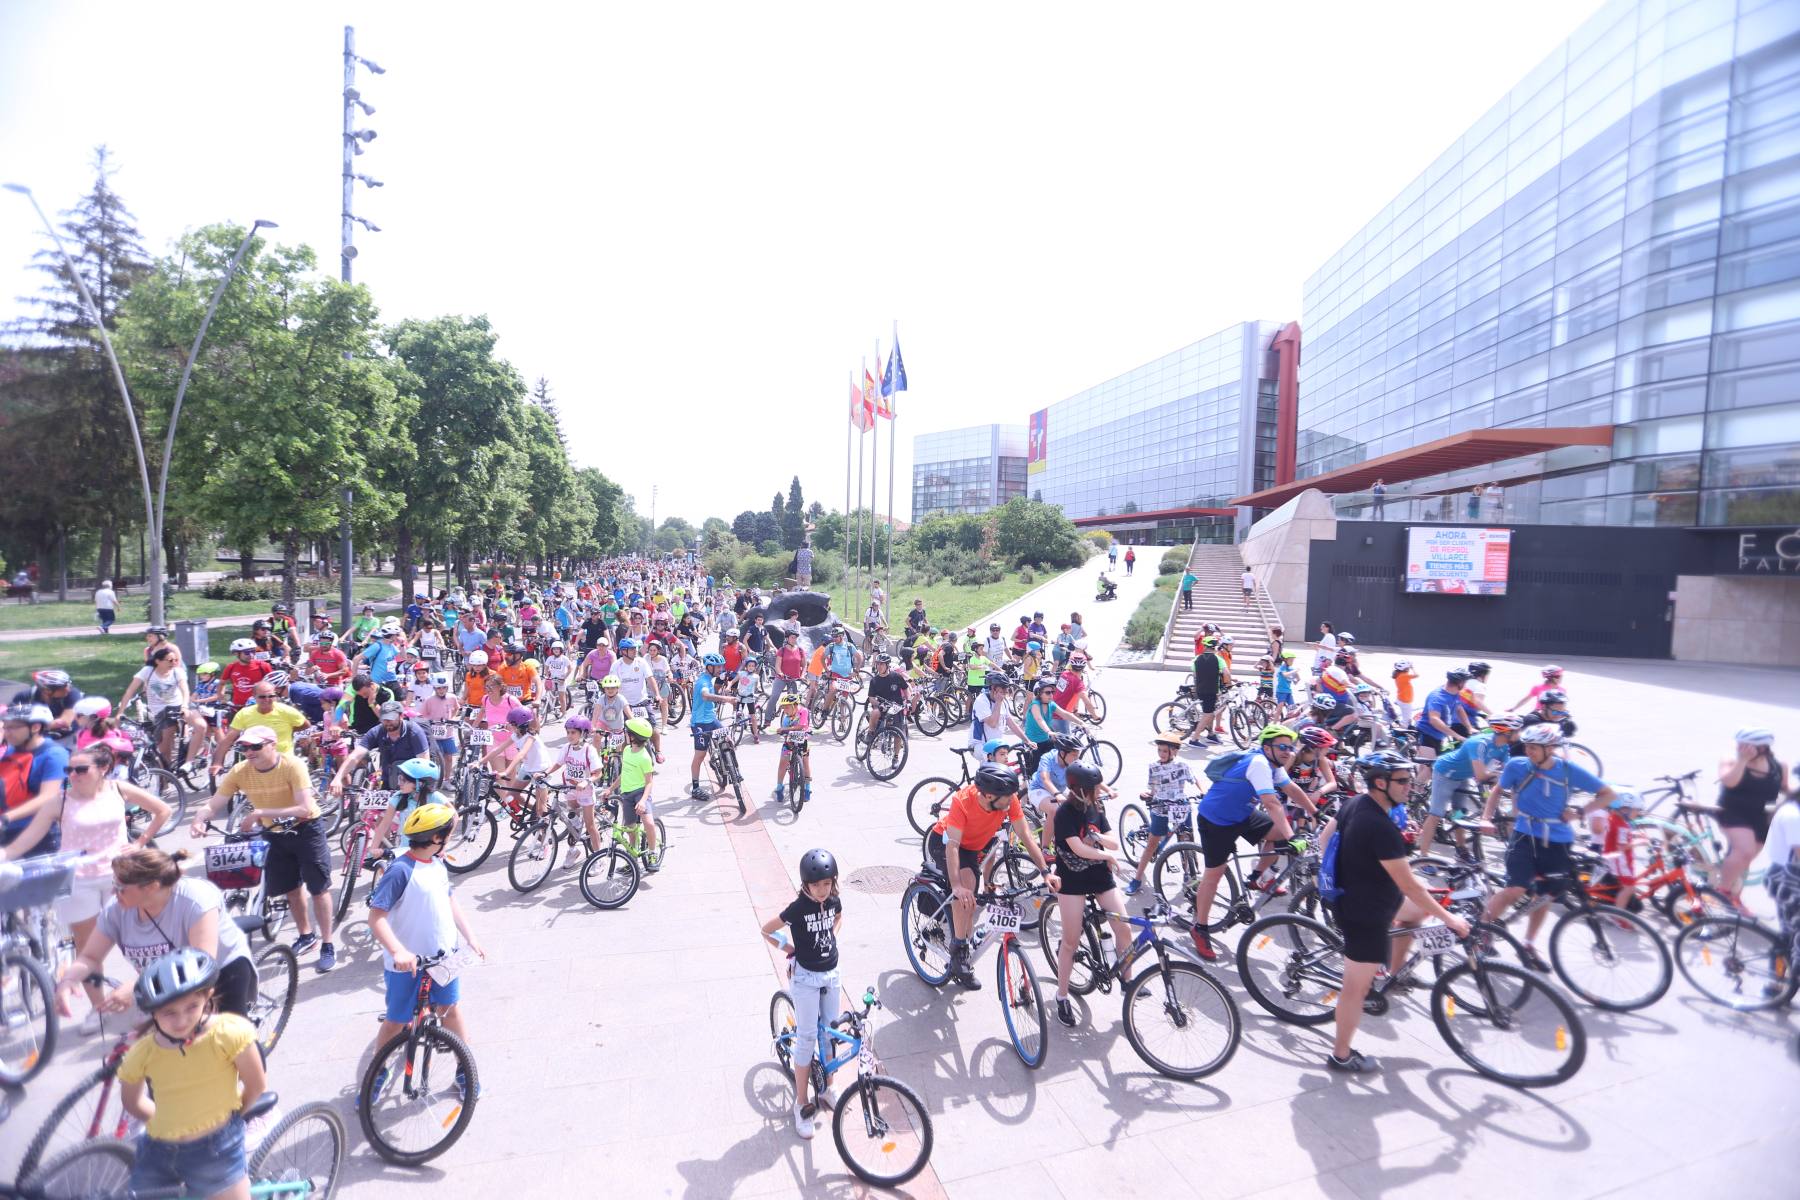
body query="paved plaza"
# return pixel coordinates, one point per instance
(627, 1053)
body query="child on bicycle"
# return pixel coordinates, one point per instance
(413, 915)
(814, 921)
(205, 1068)
(1167, 794)
(579, 763)
(637, 769)
(793, 720)
(415, 783)
(1615, 842)
(437, 711)
(610, 711)
(749, 684)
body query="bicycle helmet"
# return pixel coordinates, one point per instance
(1508, 721)
(884, 660)
(578, 722)
(1456, 678)
(332, 695)
(559, 644)
(611, 681)
(52, 678)
(243, 646)
(1402, 664)
(325, 637)
(1209, 641)
(280, 610)
(1479, 669)
(625, 643)
(209, 667)
(1271, 732)
(730, 633)
(992, 745)
(1044, 684)
(1034, 647)
(158, 630)
(712, 660)
(175, 976)
(1228, 640)
(1542, 735)
(640, 727)
(1755, 736)
(276, 679)
(520, 716)
(478, 659)
(98, 707)
(1552, 671)
(816, 865)
(1318, 737)
(1208, 627)
(996, 781)
(421, 767)
(428, 818)
(1346, 639)
(261, 625)
(440, 679)
(1063, 742)
(1553, 696)
(1626, 798)
(1170, 739)
(534, 664)
(1383, 762)
(788, 701)
(1083, 777)
(1323, 704)
(31, 714)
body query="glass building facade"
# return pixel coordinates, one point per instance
(1188, 430)
(1616, 242)
(968, 470)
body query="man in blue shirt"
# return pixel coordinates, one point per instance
(703, 719)
(1480, 758)
(380, 655)
(414, 614)
(1542, 785)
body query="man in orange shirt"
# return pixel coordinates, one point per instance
(517, 673)
(975, 814)
(475, 680)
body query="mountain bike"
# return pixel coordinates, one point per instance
(1098, 752)
(301, 1157)
(1176, 871)
(793, 783)
(235, 867)
(840, 715)
(884, 751)
(29, 1022)
(408, 1116)
(1737, 962)
(722, 761)
(931, 796)
(535, 852)
(610, 876)
(926, 929)
(1179, 1019)
(1609, 956)
(881, 1127)
(362, 813)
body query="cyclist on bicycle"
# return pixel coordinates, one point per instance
(1167, 795)
(1479, 759)
(415, 783)
(703, 717)
(842, 662)
(637, 772)
(1438, 719)
(1553, 678)
(887, 687)
(973, 817)
(1049, 780)
(1084, 855)
(814, 922)
(637, 685)
(794, 723)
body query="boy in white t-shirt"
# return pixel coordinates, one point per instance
(579, 763)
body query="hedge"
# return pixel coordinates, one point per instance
(1145, 628)
(1174, 559)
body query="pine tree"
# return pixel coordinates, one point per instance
(793, 519)
(540, 396)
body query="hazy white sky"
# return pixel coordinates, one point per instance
(696, 219)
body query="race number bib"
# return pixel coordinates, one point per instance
(1003, 918)
(481, 737)
(575, 772)
(440, 729)
(1434, 939)
(380, 798)
(454, 964)
(515, 692)
(261, 656)
(233, 856)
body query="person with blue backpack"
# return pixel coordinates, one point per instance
(1244, 802)
(1364, 877)
(1542, 785)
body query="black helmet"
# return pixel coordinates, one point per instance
(1063, 741)
(177, 974)
(1456, 677)
(997, 781)
(816, 865)
(1383, 762)
(1083, 777)
(1480, 669)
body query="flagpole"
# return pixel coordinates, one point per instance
(862, 454)
(893, 439)
(845, 530)
(875, 480)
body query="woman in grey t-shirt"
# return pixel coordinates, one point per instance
(157, 910)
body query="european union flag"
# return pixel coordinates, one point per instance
(894, 378)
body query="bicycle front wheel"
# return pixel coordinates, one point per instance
(842, 715)
(929, 716)
(1736, 962)
(1134, 831)
(1293, 967)
(888, 755)
(91, 1171)
(925, 929)
(1022, 1004)
(882, 1130)
(92, 1109)
(277, 984)
(306, 1146)
(1175, 874)
(1580, 756)
(781, 1028)
(610, 878)
(1611, 958)
(28, 1021)
(472, 840)
(927, 801)
(1106, 757)
(1174, 716)
(412, 1102)
(1181, 1020)
(1099, 703)
(533, 856)
(166, 786)
(1527, 1033)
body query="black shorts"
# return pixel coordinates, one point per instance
(236, 988)
(1365, 941)
(302, 855)
(1426, 741)
(1219, 842)
(1751, 816)
(969, 860)
(1528, 858)
(1209, 701)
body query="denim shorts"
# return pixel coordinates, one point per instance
(446, 745)
(403, 994)
(1165, 821)
(203, 1167)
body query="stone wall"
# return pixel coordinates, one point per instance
(1738, 619)
(1279, 551)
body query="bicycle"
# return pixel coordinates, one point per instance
(895, 1122)
(796, 743)
(840, 713)
(722, 761)
(362, 813)
(1503, 1021)
(1176, 871)
(884, 751)
(1191, 1002)
(29, 1022)
(1607, 955)
(535, 852)
(300, 1157)
(926, 929)
(930, 796)
(1100, 753)
(397, 1095)
(611, 874)
(1738, 962)
(235, 867)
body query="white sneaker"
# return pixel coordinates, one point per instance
(803, 1124)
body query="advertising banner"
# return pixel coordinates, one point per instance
(1036, 436)
(1457, 560)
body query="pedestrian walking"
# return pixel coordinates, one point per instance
(1475, 503)
(1112, 555)
(1188, 581)
(1249, 581)
(1130, 559)
(106, 605)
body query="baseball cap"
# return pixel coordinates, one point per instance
(256, 735)
(390, 708)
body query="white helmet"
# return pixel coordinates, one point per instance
(440, 679)
(1755, 736)
(1544, 734)
(240, 645)
(478, 658)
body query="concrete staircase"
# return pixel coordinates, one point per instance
(1219, 598)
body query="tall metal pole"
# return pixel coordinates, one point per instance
(855, 400)
(348, 563)
(874, 477)
(347, 246)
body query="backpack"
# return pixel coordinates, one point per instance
(1330, 890)
(1221, 766)
(15, 778)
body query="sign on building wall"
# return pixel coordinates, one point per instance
(1037, 436)
(1457, 560)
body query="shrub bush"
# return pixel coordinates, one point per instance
(1027, 576)
(245, 590)
(1145, 628)
(1174, 559)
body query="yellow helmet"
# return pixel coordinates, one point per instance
(427, 818)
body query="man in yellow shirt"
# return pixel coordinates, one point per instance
(279, 790)
(266, 711)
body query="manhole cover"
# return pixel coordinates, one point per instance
(880, 881)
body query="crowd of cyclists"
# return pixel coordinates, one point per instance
(404, 738)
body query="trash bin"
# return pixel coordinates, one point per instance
(190, 640)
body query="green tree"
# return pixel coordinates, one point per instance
(557, 508)
(743, 526)
(793, 517)
(674, 534)
(713, 533)
(828, 531)
(607, 535)
(1025, 531)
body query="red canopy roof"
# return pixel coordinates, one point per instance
(1160, 514)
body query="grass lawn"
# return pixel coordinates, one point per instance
(949, 605)
(99, 665)
(69, 614)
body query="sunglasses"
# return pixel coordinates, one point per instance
(80, 770)
(1282, 747)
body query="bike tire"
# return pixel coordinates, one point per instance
(1099, 703)
(890, 1121)
(1682, 910)
(1107, 758)
(796, 784)
(925, 932)
(782, 1029)
(1501, 946)
(28, 1020)
(610, 878)
(1134, 831)
(1580, 756)
(1612, 941)
(1191, 1002)
(890, 749)
(472, 840)
(59, 1134)
(677, 707)
(453, 1109)
(533, 856)
(1482, 1039)
(1175, 874)
(306, 1146)
(353, 856)
(1293, 967)
(842, 717)
(1239, 722)
(1084, 968)
(274, 912)
(96, 1170)
(1736, 962)
(927, 801)
(277, 987)
(1021, 1004)
(930, 717)
(166, 786)
(1174, 716)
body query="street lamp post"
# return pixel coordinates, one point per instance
(354, 141)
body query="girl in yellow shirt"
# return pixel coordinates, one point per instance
(198, 1061)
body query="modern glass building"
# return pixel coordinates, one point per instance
(967, 470)
(1156, 454)
(1610, 257)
